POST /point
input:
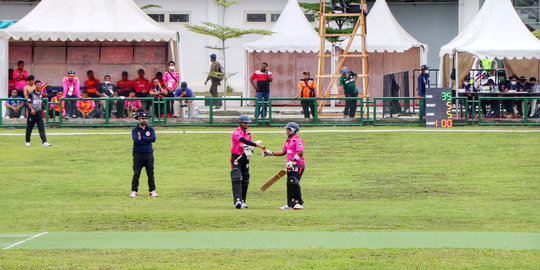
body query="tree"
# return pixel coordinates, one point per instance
(223, 33)
(150, 6)
(345, 25)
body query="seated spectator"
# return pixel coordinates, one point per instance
(469, 87)
(158, 92)
(58, 106)
(142, 86)
(124, 88)
(71, 89)
(86, 108)
(159, 76)
(184, 92)
(21, 77)
(30, 86)
(107, 89)
(15, 108)
(132, 104)
(11, 81)
(91, 84)
(511, 105)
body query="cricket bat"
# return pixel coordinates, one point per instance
(272, 180)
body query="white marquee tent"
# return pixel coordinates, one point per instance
(292, 48)
(90, 21)
(496, 32)
(390, 47)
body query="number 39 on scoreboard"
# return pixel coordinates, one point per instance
(439, 107)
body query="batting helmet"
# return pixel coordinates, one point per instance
(293, 126)
(244, 119)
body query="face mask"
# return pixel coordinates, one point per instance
(466, 84)
(426, 71)
(107, 82)
(171, 67)
(513, 83)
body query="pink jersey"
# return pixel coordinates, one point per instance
(236, 143)
(171, 79)
(293, 145)
(20, 84)
(71, 88)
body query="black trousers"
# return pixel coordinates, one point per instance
(350, 105)
(141, 160)
(31, 121)
(239, 176)
(294, 192)
(308, 105)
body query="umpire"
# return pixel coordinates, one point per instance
(143, 155)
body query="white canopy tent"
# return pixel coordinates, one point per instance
(482, 38)
(89, 21)
(386, 38)
(292, 48)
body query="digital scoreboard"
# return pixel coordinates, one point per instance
(439, 107)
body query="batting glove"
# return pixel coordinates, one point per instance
(290, 165)
(267, 153)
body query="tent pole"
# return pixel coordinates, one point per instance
(458, 112)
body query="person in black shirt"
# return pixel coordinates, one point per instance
(35, 104)
(143, 155)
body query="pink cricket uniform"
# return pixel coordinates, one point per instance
(293, 145)
(19, 74)
(171, 79)
(71, 88)
(236, 143)
(134, 103)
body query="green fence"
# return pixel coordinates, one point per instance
(210, 111)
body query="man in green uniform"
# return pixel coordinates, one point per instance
(348, 81)
(215, 76)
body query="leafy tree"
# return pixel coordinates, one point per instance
(223, 33)
(344, 24)
(150, 6)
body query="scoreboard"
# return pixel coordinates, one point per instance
(439, 107)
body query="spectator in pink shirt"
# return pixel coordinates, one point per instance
(172, 83)
(20, 76)
(72, 89)
(132, 104)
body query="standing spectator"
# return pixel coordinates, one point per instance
(72, 89)
(132, 104)
(86, 108)
(143, 155)
(523, 86)
(184, 92)
(91, 84)
(58, 106)
(31, 86)
(142, 86)
(261, 80)
(158, 92)
(20, 76)
(172, 81)
(35, 103)
(214, 76)
(307, 90)
(348, 81)
(423, 84)
(511, 105)
(11, 81)
(15, 108)
(535, 88)
(241, 151)
(469, 88)
(106, 89)
(124, 88)
(294, 149)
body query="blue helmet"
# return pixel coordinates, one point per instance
(293, 126)
(244, 119)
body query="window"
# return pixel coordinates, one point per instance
(256, 17)
(157, 17)
(182, 18)
(274, 17)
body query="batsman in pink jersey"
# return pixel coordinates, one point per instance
(241, 152)
(294, 149)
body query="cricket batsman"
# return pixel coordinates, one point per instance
(294, 148)
(241, 152)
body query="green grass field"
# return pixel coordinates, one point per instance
(369, 182)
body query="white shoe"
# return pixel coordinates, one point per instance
(153, 194)
(285, 207)
(298, 207)
(21, 117)
(238, 204)
(46, 144)
(133, 194)
(27, 144)
(244, 205)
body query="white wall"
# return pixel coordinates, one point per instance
(467, 11)
(14, 11)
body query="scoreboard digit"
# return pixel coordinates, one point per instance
(439, 107)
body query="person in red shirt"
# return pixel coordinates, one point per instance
(124, 86)
(11, 81)
(142, 87)
(91, 84)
